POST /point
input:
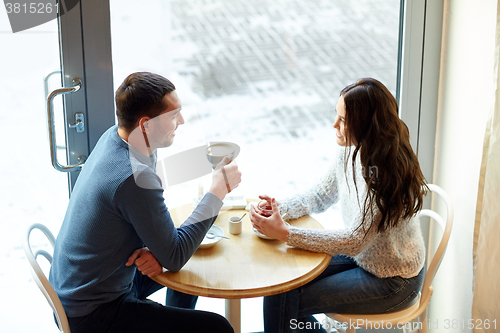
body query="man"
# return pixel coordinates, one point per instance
(117, 217)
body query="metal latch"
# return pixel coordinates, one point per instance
(79, 123)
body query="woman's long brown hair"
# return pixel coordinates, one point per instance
(391, 170)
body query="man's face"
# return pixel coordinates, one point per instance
(161, 129)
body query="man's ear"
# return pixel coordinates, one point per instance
(143, 123)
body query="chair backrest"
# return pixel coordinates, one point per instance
(438, 255)
(41, 279)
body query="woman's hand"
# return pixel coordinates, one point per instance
(145, 261)
(272, 226)
(265, 197)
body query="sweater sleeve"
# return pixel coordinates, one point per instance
(316, 200)
(145, 210)
(350, 241)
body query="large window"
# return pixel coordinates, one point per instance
(263, 74)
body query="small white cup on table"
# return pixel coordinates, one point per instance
(235, 225)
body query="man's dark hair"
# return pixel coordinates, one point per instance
(141, 94)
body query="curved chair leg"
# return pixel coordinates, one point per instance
(423, 320)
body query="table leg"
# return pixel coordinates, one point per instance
(233, 313)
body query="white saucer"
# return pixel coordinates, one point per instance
(209, 242)
(264, 236)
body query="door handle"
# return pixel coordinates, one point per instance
(79, 125)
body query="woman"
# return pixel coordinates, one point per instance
(378, 259)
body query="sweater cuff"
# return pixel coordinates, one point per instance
(212, 200)
(282, 208)
(294, 235)
(208, 207)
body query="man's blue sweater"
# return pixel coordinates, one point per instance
(111, 213)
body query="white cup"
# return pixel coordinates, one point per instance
(217, 152)
(235, 225)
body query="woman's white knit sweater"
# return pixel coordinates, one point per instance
(396, 252)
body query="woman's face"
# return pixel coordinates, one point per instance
(339, 123)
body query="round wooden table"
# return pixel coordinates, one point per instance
(245, 265)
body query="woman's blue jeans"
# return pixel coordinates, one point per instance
(343, 287)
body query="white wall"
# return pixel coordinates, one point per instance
(466, 95)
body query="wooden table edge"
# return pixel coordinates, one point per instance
(245, 293)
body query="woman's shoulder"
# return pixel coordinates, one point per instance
(345, 153)
(340, 156)
(342, 162)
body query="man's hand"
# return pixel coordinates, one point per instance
(225, 178)
(145, 261)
